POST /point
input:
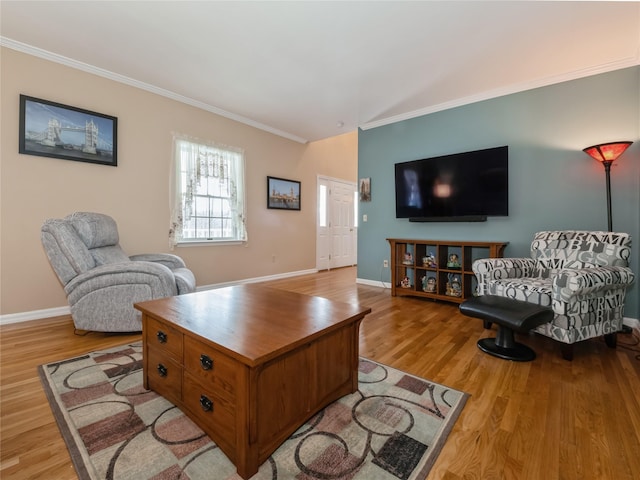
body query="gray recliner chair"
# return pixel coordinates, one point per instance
(101, 282)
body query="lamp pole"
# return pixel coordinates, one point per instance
(607, 171)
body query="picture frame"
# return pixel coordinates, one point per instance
(365, 189)
(50, 129)
(283, 194)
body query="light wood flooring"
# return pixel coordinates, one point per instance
(547, 419)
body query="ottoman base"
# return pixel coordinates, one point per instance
(518, 352)
(511, 316)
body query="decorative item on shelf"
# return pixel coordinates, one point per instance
(453, 261)
(454, 288)
(429, 284)
(405, 283)
(408, 259)
(429, 261)
(607, 153)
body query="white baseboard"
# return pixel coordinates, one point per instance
(58, 311)
(631, 322)
(373, 283)
(257, 279)
(34, 315)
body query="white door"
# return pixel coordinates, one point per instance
(323, 236)
(337, 233)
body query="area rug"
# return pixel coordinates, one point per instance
(393, 427)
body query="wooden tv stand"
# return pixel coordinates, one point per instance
(250, 364)
(443, 280)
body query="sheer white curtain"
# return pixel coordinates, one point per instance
(195, 163)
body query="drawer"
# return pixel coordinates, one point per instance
(213, 413)
(164, 375)
(212, 368)
(163, 337)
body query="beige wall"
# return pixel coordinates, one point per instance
(136, 192)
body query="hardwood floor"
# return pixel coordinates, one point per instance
(547, 419)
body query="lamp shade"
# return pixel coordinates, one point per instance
(607, 152)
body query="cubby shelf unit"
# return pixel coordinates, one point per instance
(435, 260)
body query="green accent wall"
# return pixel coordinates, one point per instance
(553, 185)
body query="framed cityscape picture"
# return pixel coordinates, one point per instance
(283, 194)
(49, 129)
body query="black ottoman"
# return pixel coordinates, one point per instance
(510, 315)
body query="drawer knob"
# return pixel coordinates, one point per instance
(161, 336)
(205, 403)
(206, 362)
(162, 370)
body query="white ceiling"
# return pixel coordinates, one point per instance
(299, 69)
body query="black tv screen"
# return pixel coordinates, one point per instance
(464, 186)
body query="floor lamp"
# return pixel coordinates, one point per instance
(607, 153)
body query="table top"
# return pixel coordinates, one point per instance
(253, 323)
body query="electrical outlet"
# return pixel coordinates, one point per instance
(385, 263)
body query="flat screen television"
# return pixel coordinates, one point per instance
(467, 186)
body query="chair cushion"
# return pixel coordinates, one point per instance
(107, 255)
(67, 253)
(550, 267)
(554, 251)
(532, 290)
(95, 229)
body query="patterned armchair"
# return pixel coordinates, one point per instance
(582, 275)
(101, 282)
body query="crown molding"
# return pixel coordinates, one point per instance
(508, 90)
(500, 92)
(69, 62)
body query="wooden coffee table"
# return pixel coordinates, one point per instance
(250, 364)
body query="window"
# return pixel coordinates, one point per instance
(322, 206)
(356, 197)
(208, 193)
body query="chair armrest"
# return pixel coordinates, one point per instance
(167, 259)
(570, 283)
(496, 268)
(157, 277)
(487, 269)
